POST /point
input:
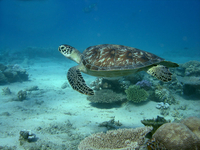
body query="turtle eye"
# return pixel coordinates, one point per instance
(62, 48)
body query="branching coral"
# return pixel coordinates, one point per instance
(120, 139)
(136, 94)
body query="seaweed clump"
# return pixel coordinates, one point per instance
(136, 94)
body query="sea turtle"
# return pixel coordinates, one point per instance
(109, 60)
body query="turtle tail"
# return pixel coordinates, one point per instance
(77, 82)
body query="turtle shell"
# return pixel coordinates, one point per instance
(110, 57)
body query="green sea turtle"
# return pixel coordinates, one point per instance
(109, 60)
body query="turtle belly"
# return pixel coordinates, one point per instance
(111, 73)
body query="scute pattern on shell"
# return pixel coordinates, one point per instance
(117, 57)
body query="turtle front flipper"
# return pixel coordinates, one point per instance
(77, 82)
(160, 72)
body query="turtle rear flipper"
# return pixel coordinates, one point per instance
(169, 64)
(160, 72)
(77, 82)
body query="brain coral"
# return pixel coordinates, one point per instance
(121, 139)
(175, 136)
(193, 123)
(136, 94)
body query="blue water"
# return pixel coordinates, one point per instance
(32, 28)
(156, 26)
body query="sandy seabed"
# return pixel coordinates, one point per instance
(64, 116)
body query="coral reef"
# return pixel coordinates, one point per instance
(164, 108)
(176, 136)
(193, 123)
(21, 95)
(162, 105)
(144, 84)
(106, 96)
(188, 78)
(6, 91)
(153, 144)
(155, 123)
(134, 78)
(3, 79)
(104, 83)
(27, 136)
(163, 95)
(164, 112)
(118, 84)
(97, 84)
(111, 124)
(191, 68)
(136, 94)
(177, 115)
(2, 67)
(191, 85)
(116, 139)
(12, 73)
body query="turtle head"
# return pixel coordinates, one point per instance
(70, 52)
